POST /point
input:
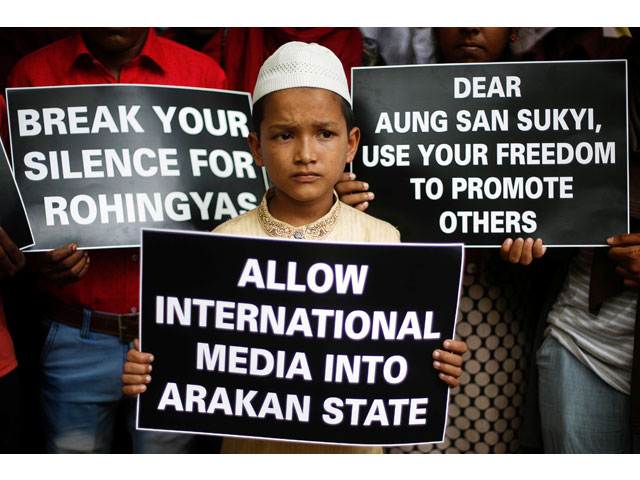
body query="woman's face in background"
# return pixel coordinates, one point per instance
(473, 44)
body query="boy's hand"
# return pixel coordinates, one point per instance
(522, 251)
(64, 265)
(625, 252)
(136, 371)
(11, 258)
(352, 192)
(450, 364)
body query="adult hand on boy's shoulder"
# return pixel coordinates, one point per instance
(522, 251)
(64, 265)
(449, 363)
(11, 258)
(625, 252)
(353, 192)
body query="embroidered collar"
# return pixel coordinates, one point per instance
(313, 231)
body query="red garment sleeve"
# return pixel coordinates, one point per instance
(4, 124)
(217, 78)
(7, 354)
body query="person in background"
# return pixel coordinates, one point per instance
(588, 344)
(16, 42)
(207, 40)
(86, 296)
(401, 45)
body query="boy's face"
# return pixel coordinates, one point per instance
(304, 143)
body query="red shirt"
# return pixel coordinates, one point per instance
(7, 355)
(4, 125)
(113, 280)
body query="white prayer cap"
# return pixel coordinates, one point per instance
(299, 64)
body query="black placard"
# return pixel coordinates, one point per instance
(96, 163)
(224, 281)
(13, 218)
(562, 124)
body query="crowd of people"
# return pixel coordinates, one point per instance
(61, 380)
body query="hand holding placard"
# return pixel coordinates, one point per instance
(625, 252)
(137, 368)
(136, 371)
(522, 251)
(65, 264)
(450, 364)
(353, 192)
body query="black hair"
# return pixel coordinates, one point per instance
(257, 114)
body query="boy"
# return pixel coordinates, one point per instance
(304, 137)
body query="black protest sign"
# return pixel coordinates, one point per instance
(97, 163)
(13, 218)
(477, 153)
(296, 340)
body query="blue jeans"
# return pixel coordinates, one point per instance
(579, 412)
(80, 392)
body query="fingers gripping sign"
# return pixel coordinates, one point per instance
(64, 265)
(625, 252)
(522, 251)
(353, 192)
(136, 369)
(449, 363)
